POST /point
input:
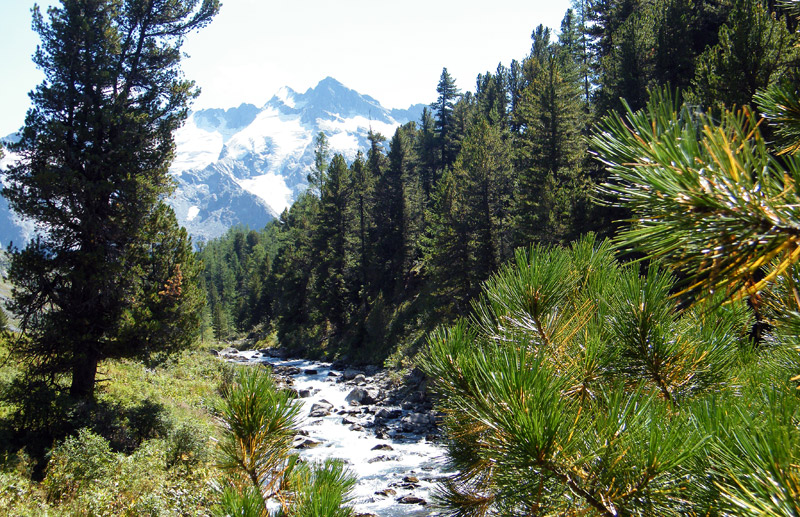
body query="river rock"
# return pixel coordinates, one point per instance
(306, 443)
(386, 492)
(419, 419)
(359, 379)
(388, 414)
(411, 479)
(320, 409)
(383, 447)
(383, 457)
(350, 374)
(304, 393)
(411, 499)
(359, 396)
(310, 371)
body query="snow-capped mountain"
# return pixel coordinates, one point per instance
(245, 165)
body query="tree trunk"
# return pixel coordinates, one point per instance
(84, 372)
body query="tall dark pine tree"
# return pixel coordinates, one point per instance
(550, 148)
(321, 157)
(95, 150)
(329, 244)
(443, 114)
(389, 243)
(359, 214)
(427, 152)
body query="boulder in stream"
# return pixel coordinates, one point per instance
(306, 443)
(350, 374)
(411, 499)
(320, 409)
(359, 396)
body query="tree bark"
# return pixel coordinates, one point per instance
(84, 373)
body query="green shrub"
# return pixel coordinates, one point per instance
(320, 490)
(240, 502)
(186, 447)
(75, 463)
(149, 419)
(261, 422)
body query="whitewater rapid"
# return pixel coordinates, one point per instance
(397, 472)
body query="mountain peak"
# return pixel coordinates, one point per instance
(330, 82)
(246, 164)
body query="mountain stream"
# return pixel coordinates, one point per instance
(387, 437)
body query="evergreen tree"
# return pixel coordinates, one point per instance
(753, 51)
(484, 166)
(290, 276)
(446, 259)
(443, 114)
(390, 215)
(491, 96)
(427, 151)
(96, 148)
(321, 158)
(629, 70)
(550, 149)
(469, 233)
(329, 234)
(359, 214)
(577, 22)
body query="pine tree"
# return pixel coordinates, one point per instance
(484, 168)
(96, 148)
(390, 215)
(550, 149)
(321, 158)
(443, 114)
(329, 237)
(426, 150)
(290, 276)
(753, 51)
(445, 245)
(359, 214)
(491, 96)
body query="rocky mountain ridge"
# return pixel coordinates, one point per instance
(245, 165)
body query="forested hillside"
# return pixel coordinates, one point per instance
(381, 250)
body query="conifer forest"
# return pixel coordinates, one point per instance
(591, 256)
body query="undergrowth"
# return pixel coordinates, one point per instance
(144, 447)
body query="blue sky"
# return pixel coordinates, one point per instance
(391, 50)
